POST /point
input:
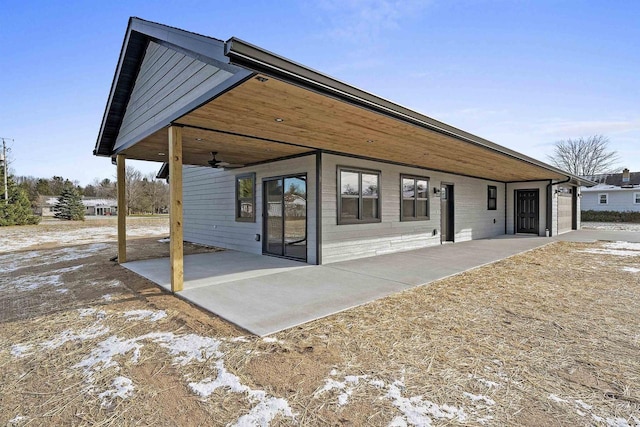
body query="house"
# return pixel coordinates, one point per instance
(94, 206)
(613, 192)
(268, 156)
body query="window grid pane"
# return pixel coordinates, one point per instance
(415, 198)
(359, 198)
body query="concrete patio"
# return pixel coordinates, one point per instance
(265, 294)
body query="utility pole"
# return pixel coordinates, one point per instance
(5, 164)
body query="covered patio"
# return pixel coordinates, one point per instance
(265, 295)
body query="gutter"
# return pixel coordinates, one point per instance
(548, 224)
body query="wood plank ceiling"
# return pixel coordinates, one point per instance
(261, 120)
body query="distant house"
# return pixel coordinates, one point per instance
(94, 206)
(618, 192)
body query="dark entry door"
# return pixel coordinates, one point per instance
(527, 211)
(447, 213)
(285, 217)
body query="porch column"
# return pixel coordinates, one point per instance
(122, 210)
(175, 208)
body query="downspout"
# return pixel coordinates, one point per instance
(548, 224)
(505, 208)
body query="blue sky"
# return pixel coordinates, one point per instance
(520, 73)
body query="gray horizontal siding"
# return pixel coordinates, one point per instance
(349, 241)
(209, 205)
(619, 200)
(167, 81)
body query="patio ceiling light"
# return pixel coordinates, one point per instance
(279, 119)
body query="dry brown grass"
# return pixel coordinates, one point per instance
(551, 321)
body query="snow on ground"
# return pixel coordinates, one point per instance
(15, 261)
(610, 226)
(631, 269)
(16, 239)
(585, 410)
(623, 249)
(110, 355)
(122, 388)
(415, 410)
(150, 315)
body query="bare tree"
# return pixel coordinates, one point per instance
(584, 156)
(132, 178)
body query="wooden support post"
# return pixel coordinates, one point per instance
(175, 212)
(122, 211)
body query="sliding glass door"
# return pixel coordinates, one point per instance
(285, 216)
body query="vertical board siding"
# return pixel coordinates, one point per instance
(209, 205)
(620, 200)
(167, 81)
(349, 241)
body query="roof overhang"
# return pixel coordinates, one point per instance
(277, 108)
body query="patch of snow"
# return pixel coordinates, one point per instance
(398, 422)
(479, 397)
(107, 297)
(484, 420)
(624, 249)
(62, 290)
(239, 339)
(271, 340)
(165, 240)
(333, 372)
(20, 350)
(347, 387)
(16, 240)
(487, 383)
(582, 404)
(122, 388)
(631, 269)
(84, 312)
(264, 412)
(581, 407)
(623, 245)
(377, 383)
(94, 331)
(223, 380)
(557, 399)
(17, 419)
(418, 412)
(150, 315)
(610, 226)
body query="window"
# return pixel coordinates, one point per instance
(603, 199)
(492, 197)
(359, 198)
(636, 198)
(246, 198)
(415, 198)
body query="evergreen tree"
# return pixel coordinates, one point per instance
(69, 204)
(17, 210)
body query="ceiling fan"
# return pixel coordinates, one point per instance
(216, 163)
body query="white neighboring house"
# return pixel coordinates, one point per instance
(618, 192)
(94, 206)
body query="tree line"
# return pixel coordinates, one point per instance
(145, 193)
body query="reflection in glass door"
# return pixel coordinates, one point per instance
(285, 216)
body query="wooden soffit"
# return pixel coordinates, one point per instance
(264, 118)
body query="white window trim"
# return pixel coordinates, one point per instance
(636, 198)
(606, 195)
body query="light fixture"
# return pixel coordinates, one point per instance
(198, 139)
(161, 154)
(261, 79)
(436, 191)
(279, 119)
(370, 141)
